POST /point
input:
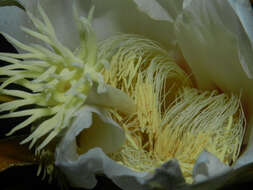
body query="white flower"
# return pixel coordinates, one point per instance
(60, 80)
(215, 39)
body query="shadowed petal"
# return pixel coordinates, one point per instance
(210, 39)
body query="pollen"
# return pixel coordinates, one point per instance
(173, 119)
(57, 79)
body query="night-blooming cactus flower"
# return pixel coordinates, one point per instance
(59, 83)
(186, 65)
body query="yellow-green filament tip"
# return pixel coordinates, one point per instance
(58, 79)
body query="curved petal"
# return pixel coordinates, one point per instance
(93, 117)
(226, 179)
(81, 170)
(208, 166)
(59, 12)
(161, 9)
(110, 17)
(210, 39)
(244, 12)
(11, 20)
(111, 98)
(113, 16)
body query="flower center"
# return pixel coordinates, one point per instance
(173, 119)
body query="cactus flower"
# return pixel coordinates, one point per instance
(167, 106)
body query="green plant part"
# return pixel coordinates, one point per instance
(58, 79)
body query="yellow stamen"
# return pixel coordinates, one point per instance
(173, 119)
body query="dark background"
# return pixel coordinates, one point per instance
(24, 177)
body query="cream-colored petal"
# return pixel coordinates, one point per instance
(211, 36)
(208, 46)
(110, 17)
(60, 12)
(11, 18)
(80, 170)
(208, 166)
(224, 177)
(111, 98)
(103, 131)
(166, 10)
(113, 16)
(244, 12)
(247, 156)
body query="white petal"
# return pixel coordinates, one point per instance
(244, 12)
(110, 17)
(206, 35)
(87, 117)
(102, 132)
(224, 175)
(247, 156)
(212, 38)
(81, 170)
(186, 3)
(161, 9)
(59, 12)
(113, 16)
(111, 98)
(208, 166)
(11, 18)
